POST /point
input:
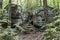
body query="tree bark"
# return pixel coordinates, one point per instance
(45, 10)
(9, 10)
(1, 3)
(40, 3)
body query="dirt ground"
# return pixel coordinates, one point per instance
(35, 36)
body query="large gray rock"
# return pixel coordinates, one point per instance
(39, 15)
(5, 15)
(17, 16)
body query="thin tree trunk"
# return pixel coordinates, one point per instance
(17, 2)
(58, 4)
(54, 3)
(9, 10)
(40, 3)
(45, 10)
(1, 3)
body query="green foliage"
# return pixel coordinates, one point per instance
(5, 20)
(5, 2)
(7, 34)
(52, 29)
(49, 34)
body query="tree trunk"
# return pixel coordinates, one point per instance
(1, 3)
(9, 10)
(45, 10)
(40, 3)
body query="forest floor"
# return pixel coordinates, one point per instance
(31, 36)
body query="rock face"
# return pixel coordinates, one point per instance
(17, 16)
(5, 15)
(39, 18)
